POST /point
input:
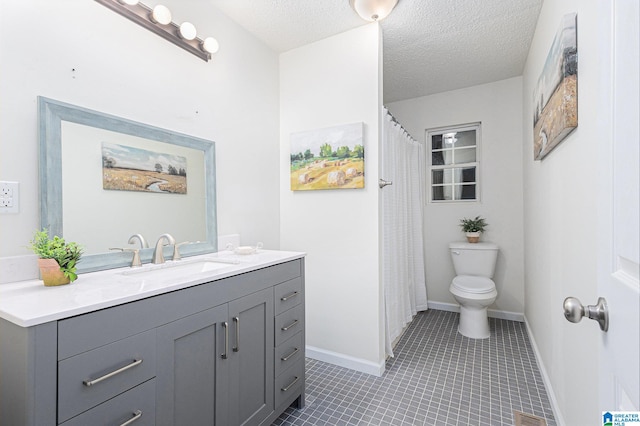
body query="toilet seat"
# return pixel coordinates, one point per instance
(473, 284)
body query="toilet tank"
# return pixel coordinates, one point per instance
(477, 259)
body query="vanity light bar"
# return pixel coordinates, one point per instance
(142, 15)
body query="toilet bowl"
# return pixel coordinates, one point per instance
(472, 287)
(475, 295)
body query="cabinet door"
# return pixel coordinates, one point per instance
(251, 387)
(191, 373)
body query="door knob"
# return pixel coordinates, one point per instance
(382, 183)
(574, 311)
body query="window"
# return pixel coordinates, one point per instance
(453, 166)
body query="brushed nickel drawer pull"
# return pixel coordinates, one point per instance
(286, 388)
(136, 415)
(226, 340)
(286, 358)
(236, 348)
(289, 326)
(289, 296)
(113, 373)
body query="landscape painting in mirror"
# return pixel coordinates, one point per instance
(127, 168)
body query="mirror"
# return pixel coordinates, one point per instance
(104, 178)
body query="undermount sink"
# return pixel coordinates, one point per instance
(181, 268)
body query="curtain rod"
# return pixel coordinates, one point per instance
(394, 120)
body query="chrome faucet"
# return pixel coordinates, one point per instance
(141, 240)
(135, 261)
(158, 256)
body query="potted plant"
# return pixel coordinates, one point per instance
(57, 258)
(473, 228)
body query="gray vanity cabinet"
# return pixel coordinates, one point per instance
(251, 359)
(191, 380)
(203, 355)
(216, 367)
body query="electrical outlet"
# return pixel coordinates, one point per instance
(9, 197)
(6, 190)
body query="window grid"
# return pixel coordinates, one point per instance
(452, 176)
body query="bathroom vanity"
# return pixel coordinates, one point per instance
(166, 345)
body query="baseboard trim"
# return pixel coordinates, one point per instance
(492, 313)
(506, 315)
(420, 308)
(440, 306)
(346, 361)
(545, 377)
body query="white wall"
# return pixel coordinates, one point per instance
(331, 82)
(560, 220)
(498, 106)
(84, 54)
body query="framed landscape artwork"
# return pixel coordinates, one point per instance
(328, 158)
(556, 93)
(125, 168)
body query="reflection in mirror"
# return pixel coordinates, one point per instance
(105, 178)
(127, 190)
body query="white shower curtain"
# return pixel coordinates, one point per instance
(403, 274)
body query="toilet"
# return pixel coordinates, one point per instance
(472, 287)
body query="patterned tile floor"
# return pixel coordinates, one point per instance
(437, 377)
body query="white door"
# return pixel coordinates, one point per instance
(618, 208)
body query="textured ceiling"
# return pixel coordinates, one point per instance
(430, 46)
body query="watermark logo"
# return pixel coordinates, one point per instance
(621, 418)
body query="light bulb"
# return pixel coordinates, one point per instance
(210, 45)
(187, 31)
(161, 15)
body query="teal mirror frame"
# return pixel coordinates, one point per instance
(51, 114)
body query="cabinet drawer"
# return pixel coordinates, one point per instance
(288, 295)
(90, 378)
(289, 352)
(289, 323)
(290, 383)
(136, 406)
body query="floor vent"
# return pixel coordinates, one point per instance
(524, 419)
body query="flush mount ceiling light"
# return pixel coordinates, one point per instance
(159, 21)
(373, 10)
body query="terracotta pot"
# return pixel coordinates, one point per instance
(473, 237)
(50, 273)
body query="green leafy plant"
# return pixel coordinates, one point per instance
(473, 225)
(66, 254)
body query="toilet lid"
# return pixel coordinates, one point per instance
(473, 284)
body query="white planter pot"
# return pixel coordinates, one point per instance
(473, 237)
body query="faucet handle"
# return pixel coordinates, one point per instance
(176, 252)
(135, 261)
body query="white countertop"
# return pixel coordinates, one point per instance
(29, 303)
